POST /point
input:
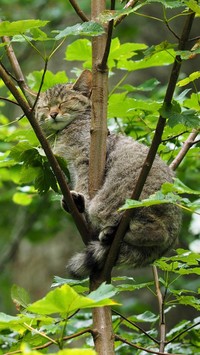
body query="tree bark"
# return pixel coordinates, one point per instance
(99, 106)
(102, 318)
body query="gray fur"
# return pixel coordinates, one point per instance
(153, 230)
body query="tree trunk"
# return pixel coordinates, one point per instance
(102, 318)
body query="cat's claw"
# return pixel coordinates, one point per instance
(78, 200)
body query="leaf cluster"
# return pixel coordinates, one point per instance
(62, 315)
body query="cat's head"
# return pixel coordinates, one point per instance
(61, 104)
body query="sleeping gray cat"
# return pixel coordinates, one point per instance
(64, 113)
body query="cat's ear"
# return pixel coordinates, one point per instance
(84, 83)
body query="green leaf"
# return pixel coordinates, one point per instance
(155, 199)
(66, 301)
(132, 287)
(35, 34)
(82, 46)
(80, 286)
(17, 151)
(175, 116)
(120, 53)
(171, 4)
(22, 199)
(189, 301)
(23, 135)
(115, 15)
(50, 79)
(20, 296)
(189, 79)
(178, 187)
(128, 105)
(8, 28)
(193, 102)
(104, 290)
(90, 28)
(147, 316)
(161, 58)
(178, 328)
(185, 262)
(76, 352)
(26, 351)
(163, 46)
(59, 281)
(193, 5)
(45, 179)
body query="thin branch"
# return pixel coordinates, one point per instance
(41, 84)
(136, 325)
(123, 340)
(194, 39)
(8, 100)
(173, 137)
(46, 345)
(10, 74)
(78, 218)
(78, 10)
(181, 333)
(103, 64)
(170, 29)
(161, 309)
(42, 334)
(128, 214)
(186, 146)
(130, 3)
(16, 66)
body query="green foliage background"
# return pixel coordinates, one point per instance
(33, 225)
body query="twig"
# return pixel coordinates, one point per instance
(194, 39)
(130, 3)
(173, 137)
(78, 10)
(8, 100)
(186, 146)
(79, 221)
(123, 340)
(103, 64)
(136, 325)
(42, 334)
(46, 345)
(123, 225)
(181, 333)
(41, 84)
(16, 67)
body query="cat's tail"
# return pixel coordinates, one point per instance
(91, 260)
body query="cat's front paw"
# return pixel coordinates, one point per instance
(107, 234)
(78, 200)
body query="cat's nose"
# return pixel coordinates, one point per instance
(54, 114)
